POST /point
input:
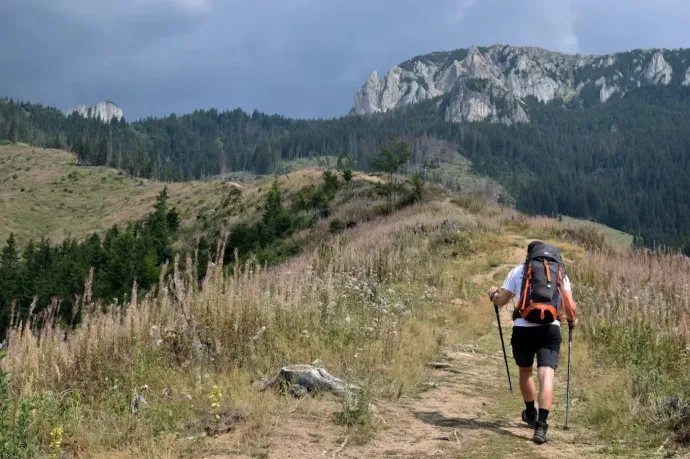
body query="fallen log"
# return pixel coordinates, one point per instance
(302, 379)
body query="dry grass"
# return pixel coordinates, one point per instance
(371, 305)
(61, 198)
(356, 303)
(638, 288)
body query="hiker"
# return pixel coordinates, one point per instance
(536, 326)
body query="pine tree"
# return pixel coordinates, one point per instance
(344, 165)
(389, 161)
(102, 152)
(13, 134)
(158, 228)
(10, 276)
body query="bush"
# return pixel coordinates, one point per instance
(474, 202)
(15, 422)
(336, 226)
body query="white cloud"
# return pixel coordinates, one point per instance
(461, 9)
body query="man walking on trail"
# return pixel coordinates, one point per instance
(541, 286)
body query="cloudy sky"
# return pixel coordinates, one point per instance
(303, 58)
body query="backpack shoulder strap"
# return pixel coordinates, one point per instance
(526, 279)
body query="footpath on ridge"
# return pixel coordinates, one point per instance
(467, 410)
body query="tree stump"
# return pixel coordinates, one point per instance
(302, 379)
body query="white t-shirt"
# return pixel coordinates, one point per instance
(513, 284)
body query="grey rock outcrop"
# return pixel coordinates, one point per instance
(658, 70)
(104, 111)
(606, 91)
(493, 83)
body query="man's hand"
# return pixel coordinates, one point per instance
(572, 323)
(492, 292)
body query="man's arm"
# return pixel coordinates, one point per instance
(570, 308)
(500, 297)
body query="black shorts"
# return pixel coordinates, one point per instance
(544, 341)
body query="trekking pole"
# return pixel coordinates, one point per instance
(567, 390)
(505, 357)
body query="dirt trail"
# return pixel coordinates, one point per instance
(466, 412)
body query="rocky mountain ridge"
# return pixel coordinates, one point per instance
(492, 83)
(105, 111)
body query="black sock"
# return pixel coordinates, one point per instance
(543, 414)
(530, 407)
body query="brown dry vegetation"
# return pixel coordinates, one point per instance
(44, 192)
(372, 306)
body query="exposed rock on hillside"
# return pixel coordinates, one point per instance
(104, 111)
(493, 83)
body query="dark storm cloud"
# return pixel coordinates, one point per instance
(297, 57)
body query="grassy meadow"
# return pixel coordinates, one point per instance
(372, 305)
(45, 192)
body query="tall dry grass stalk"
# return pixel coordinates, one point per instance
(255, 317)
(637, 288)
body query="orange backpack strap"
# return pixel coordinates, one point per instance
(523, 297)
(561, 293)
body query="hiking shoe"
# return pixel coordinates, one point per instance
(530, 419)
(540, 429)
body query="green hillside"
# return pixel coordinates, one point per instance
(620, 163)
(44, 192)
(373, 304)
(618, 238)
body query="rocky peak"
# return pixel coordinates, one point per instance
(105, 111)
(492, 83)
(658, 70)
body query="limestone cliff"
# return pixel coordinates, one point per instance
(493, 83)
(104, 111)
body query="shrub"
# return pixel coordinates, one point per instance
(474, 202)
(336, 226)
(15, 422)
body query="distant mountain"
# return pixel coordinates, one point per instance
(104, 111)
(493, 83)
(597, 137)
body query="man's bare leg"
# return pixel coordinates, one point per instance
(545, 375)
(527, 384)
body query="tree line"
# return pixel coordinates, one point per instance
(33, 277)
(621, 163)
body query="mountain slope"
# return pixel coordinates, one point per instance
(372, 305)
(492, 83)
(44, 192)
(606, 138)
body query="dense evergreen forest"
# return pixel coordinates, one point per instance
(622, 163)
(41, 274)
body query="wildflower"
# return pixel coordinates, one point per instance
(56, 442)
(215, 397)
